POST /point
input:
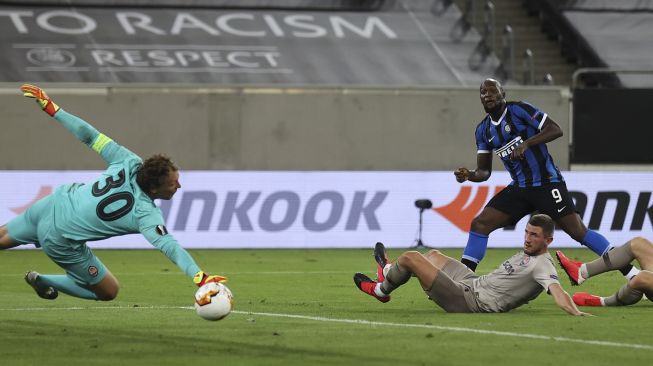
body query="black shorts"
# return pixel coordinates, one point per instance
(552, 199)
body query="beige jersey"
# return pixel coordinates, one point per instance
(518, 280)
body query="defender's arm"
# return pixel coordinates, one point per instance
(564, 301)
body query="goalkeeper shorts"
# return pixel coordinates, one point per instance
(36, 225)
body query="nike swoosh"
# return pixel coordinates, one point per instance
(560, 209)
(490, 140)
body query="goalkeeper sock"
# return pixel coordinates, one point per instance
(66, 285)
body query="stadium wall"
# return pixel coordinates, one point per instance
(259, 128)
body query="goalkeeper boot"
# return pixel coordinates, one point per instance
(368, 286)
(571, 267)
(48, 293)
(586, 299)
(33, 91)
(382, 261)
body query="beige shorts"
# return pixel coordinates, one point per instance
(451, 289)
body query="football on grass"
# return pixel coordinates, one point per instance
(213, 301)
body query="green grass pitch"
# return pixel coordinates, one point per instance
(300, 307)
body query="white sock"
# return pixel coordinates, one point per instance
(633, 272)
(386, 269)
(378, 292)
(602, 301)
(583, 272)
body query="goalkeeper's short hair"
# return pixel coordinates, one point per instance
(153, 171)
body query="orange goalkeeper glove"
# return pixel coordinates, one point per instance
(202, 278)
(33, 91)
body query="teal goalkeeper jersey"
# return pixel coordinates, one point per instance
(113, 204)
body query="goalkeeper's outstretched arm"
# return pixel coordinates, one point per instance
(102, 144)
(77, 126)
(158, 236)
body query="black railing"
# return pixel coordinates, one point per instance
(485, 46)
(506, 69)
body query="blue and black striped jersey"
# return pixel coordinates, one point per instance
(519, 122)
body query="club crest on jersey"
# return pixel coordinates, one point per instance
(525, 260)
(507, 128)
(92, 270)
(161, 230)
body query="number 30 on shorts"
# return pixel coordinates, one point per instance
(556, 195)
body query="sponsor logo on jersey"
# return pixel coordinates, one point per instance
(505, 151)
(508, 267)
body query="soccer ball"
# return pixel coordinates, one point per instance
(213, 301)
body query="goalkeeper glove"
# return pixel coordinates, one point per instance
(33, 91)
(202, 278)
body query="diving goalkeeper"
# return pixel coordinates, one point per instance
(119, 202)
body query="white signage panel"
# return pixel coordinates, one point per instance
(348, 209)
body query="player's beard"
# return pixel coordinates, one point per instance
(493, 110)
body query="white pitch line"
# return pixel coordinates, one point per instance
(454, 329)
(368, 322)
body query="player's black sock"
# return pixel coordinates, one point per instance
(626, 269)
(470, 264)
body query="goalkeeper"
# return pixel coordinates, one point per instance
(119, 202)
